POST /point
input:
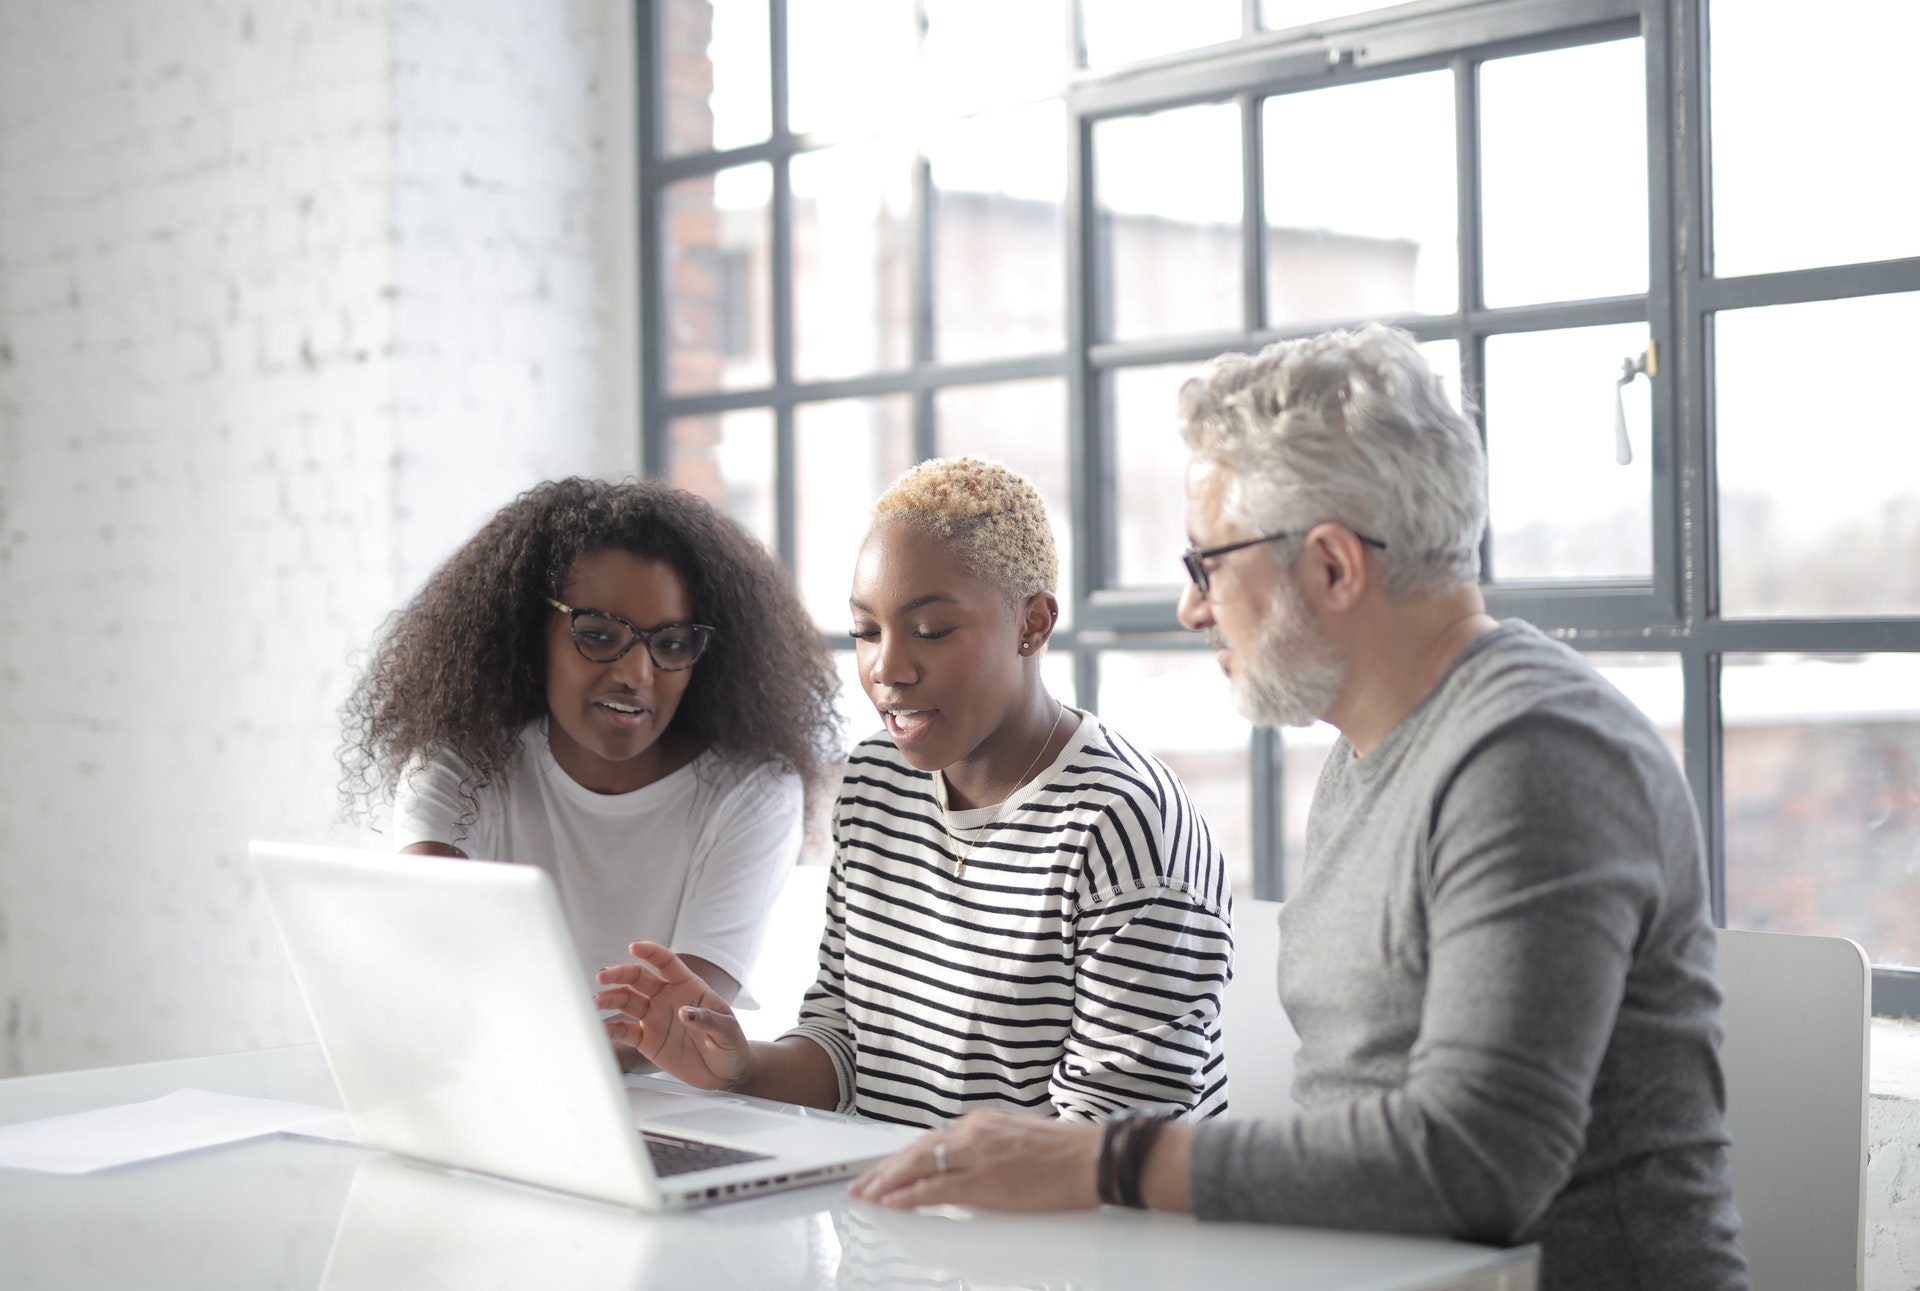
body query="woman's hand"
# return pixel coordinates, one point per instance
(994, 1161)
(675, 1019)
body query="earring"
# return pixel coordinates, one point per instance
(1025, 646)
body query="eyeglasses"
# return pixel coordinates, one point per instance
(1196, 560)
(602, 637)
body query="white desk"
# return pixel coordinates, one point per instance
(301, 1214)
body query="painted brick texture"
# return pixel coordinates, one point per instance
(290, 296)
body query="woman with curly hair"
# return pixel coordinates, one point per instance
(617, 683)
(1025, 912)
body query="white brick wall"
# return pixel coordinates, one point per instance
(513, 225)
(291, 295)
(1893, 1194)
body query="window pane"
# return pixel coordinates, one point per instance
(1278, 15)
(999, 233)
(1151, 506)
(846, 452)
(717, 257)
(857, 722)
(728, 459)
(1821, 167)
(1056, 670)
(852, 261)
(858, 719)
(1168, 193)
(845, 56)
(1303, 755)
(987, 53)
(1444, 358)
(1822, 760)
(1127, 31)
(1024, 424)
(1657, 687)
(1383, 239)
(1561, 505)
(716, 83)
(1175, 704)
(1819, 474)
(1563, 156)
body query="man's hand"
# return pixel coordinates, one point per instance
(675, 1019)
(994, 1161)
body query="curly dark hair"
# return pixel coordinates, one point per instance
(462, 668)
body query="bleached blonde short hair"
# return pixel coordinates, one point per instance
(990, 515)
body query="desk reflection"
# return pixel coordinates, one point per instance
(1118, 1250)
(290, 1214)
(406, 1226)
(409, 1227)
(946, 1249)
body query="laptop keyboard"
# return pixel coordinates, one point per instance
(683, 1156)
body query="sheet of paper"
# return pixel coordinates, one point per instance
(182, 1121)
(334, 1127)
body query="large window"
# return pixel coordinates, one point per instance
(1678, 290)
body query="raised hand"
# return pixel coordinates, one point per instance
(674, 1018)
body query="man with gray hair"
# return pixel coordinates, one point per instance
(1499, 960)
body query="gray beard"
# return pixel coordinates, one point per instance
(1289, 675)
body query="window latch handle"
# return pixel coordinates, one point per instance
(1646, 363)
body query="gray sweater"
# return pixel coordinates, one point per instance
(1501, 968)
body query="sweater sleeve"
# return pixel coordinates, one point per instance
(1149, 970)
(1543, 867)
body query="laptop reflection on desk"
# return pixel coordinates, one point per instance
(448, 1000)
(405, 1228)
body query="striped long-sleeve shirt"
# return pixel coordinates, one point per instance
(1075, 966)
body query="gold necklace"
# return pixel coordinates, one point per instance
(946, 817)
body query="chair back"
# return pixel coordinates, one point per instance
(1795, 1058)
(1260, 1041)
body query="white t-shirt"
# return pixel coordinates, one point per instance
(692, 861)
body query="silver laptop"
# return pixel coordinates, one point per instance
(448, 998)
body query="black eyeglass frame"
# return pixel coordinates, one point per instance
(1195, 559)
(702, 637)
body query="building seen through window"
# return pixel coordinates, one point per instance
(885, 230)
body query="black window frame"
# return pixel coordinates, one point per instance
(1676, 613)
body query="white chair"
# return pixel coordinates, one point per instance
(1259, 1040)
(1796, 1064)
